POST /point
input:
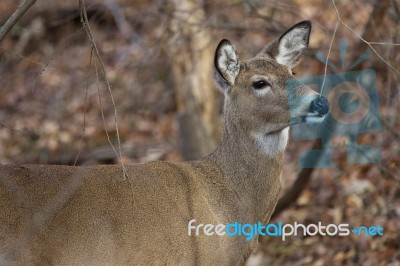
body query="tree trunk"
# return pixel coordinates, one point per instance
(191, 54)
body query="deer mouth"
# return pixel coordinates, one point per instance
(313, 118)
(310, 118)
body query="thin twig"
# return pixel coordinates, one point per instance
(84, 112)
(385, 43)
(102, 109)
(12, 129)
(22, 57)
(362, 39)
(85, 22)
(328, 55)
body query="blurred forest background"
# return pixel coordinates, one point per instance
(158, 57)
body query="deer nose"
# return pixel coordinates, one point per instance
(320, 105)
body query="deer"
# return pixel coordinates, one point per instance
(90, 215)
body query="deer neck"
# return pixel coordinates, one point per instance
(252, 165)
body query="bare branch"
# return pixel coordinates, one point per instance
(15, 17)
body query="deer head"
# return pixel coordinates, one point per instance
(256, 98)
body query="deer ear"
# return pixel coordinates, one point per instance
(289, 48)
(227, 64)
(292, 44)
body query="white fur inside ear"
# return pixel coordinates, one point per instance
(291, 45)
(228, 62)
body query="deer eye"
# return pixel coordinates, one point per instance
(261, 84)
